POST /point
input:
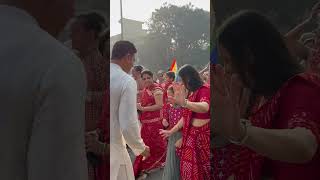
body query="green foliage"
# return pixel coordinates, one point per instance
(180, 32)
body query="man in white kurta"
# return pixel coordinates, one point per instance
(42, 97)
(124, 125)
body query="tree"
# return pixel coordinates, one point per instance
(180, 32)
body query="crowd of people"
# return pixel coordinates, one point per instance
(163, 120)
(266, 100)
(55, 107)
(58, 114)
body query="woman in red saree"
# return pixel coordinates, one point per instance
(195, 148)
(280, 138)
(150, 106)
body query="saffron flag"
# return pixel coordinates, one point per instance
(174, 66)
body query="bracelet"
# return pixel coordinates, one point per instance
(245, 123)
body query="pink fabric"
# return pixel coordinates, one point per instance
(172, 114)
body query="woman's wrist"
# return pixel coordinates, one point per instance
(185, 103)
(241, 137)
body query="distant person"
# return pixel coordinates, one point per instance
(97, 142)
(160, 78)
(171, 116)
(168, 80)
(86, 35)
(42, 94)
(124, 125)
(136, 73)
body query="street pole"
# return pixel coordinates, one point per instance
(121, 20)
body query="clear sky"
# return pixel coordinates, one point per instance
(141, 10)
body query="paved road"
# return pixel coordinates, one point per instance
(157, 175)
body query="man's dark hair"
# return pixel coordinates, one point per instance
(258, 52)
(121, 49)
(171, 74)
(190, 77)
(148, 72)
(93, 21)
(138, 68)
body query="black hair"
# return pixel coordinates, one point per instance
(121, 49)
(148, 72)
(93, 21)
(171, 74)
(258, 52)
(190, 77)
(138, 68)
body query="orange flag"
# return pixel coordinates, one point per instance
(174, 66)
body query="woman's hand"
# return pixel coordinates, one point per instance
(178, 143)
(94, 145)
(139, 107)
(226, 100)
(165, 123)
(165, 133)
(180, 94)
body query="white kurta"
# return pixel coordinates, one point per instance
(42, 95)
(124, 125)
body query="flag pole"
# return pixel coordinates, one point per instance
(121, 20)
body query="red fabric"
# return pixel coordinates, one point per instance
(299, 107)
(203, 96)
(96, 73)
(95, 67)
(151, 124)
(296, 104)
(103, 171)
(195, 150)
(147, 99)
(172, 114)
